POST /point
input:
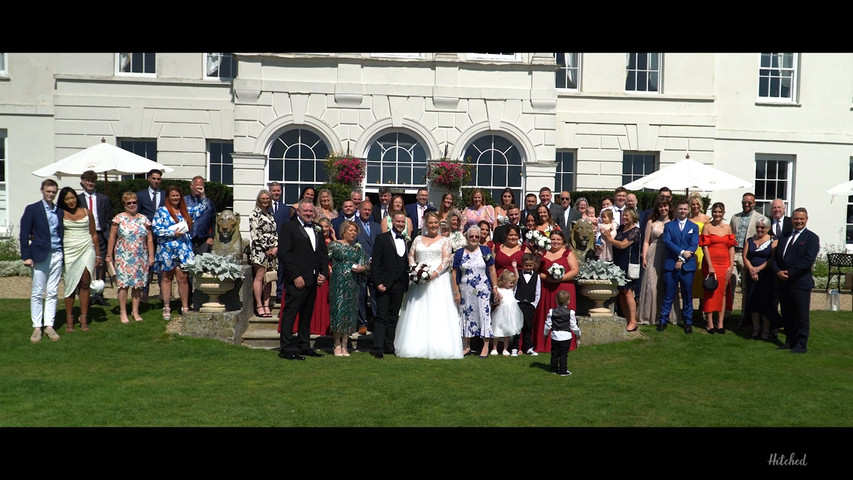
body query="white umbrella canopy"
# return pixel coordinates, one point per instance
(689, 174)
(842, 190)
(102, 157)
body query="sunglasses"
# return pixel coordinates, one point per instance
(564, 198)
(130, 203)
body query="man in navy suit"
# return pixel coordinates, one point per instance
(383, 209)
(416, 211)
(349, 211)
(681, 239)
(150, 200)
(792, 264)
(390, 277)
(306, 265)
(102, 209)
(368, 230)
(281, 214)
(41, 249)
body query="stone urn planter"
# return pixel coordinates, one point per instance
(213, 287)
(599, 291)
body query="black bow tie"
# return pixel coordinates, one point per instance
(400, 236)
(308, 225)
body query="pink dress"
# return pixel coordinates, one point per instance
(485, 212)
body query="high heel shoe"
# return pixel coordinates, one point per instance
(69, 325)
(184, 310)
(84, 325)
(167, 313)
(338, 351)
(267, 312)
(124, 319)
(344, 351)
(137, 317)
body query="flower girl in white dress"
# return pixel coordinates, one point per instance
(507, 318)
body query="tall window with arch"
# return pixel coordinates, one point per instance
(497, 164)
(297, 160)
(396, 159)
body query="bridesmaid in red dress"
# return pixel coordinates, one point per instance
(559, 253)
(321, 318)
(718, 246)
(510, 251)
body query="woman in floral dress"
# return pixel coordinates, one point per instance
(264, 257)
(133, 244)
(171, 226)
(474, 282)
(349, 263)
(560, 253)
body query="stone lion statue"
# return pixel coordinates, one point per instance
(582, 240)
(227, 240)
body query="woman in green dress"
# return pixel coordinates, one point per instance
(349, 263)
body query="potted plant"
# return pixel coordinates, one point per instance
(599, 280)
(214, 275)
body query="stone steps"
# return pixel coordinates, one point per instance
(262, 333)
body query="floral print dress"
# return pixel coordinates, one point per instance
(475, 290)
(173, 250)
(264, 236)
(131, 250)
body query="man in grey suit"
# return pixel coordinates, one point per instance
(368, 230)
(569, 215)
(554, 209)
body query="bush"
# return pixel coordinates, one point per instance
(14, 268)
(9, 249)
(221, 195)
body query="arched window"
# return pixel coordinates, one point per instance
(297, 160)
(398, 160)
(497, 164)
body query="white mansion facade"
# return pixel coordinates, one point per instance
(569, 121)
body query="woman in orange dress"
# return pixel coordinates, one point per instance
(718, 246)
(560, 253)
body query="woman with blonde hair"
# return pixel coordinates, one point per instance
(130, 252)
(264, 251)
(326, 205)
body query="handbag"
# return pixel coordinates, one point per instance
(710, 282)
(634, 268)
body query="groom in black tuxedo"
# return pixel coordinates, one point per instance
(302, 251)
(390, 277)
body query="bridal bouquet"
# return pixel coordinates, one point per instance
(557, 271)
(538, 240)
(502, 220)
(419, 273)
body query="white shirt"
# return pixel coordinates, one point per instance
(310, 231)
(399, 243)
(94, 207)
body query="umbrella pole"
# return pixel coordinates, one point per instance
(106, 190)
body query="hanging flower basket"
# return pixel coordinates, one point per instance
(345, 169)
(448, 173)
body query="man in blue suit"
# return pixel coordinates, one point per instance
(150, 200)
(416, 211)
(792, 264)
(281, 214)
(681, 239)
(349, 211)
(368, 230)
(41, 249)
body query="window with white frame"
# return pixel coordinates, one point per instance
(643, 72)
(772, 180)
(568, 70)
(143, 148)
(136, 64)
(497, 164)
(4, 70)
(501, 57)
(297, 159)
(849, 218)
(636, 165)
(220, 65)
(220, 165)
(777, 77)
(396, 159)
(398, 55)
(565, 177)
(4, 193)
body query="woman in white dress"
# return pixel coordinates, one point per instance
(80, 242)
(429, 320)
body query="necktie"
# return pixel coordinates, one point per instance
(308, 225)
(155, 200)
(90, 203)
(400, 236)
(790, 242)
(778, 229)
(274, 208)
(367, 228)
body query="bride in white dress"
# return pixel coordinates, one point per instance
(429, 320)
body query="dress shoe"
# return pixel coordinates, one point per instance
(797, 350)
(784, 346)
(376, 354)
(662, 326)
(290, 356)
(688, 329)
(312, 353)
(633, 329)
(711, 330)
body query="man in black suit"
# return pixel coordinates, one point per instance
(384, 208)
(150, 200)
(416, 211)
(306, 265)
(349, 211)
(781, 224)
(368, 230)
(514, 216)
(792, 264)
(102, 210)
(530, 203)
(281, 214)
(570, 215)
(389, 273)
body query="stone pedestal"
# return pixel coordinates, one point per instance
(600, 330)
(228, 325)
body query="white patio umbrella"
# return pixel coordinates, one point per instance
(842, 190)
(689, 174)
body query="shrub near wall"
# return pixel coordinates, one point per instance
(220, 194)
